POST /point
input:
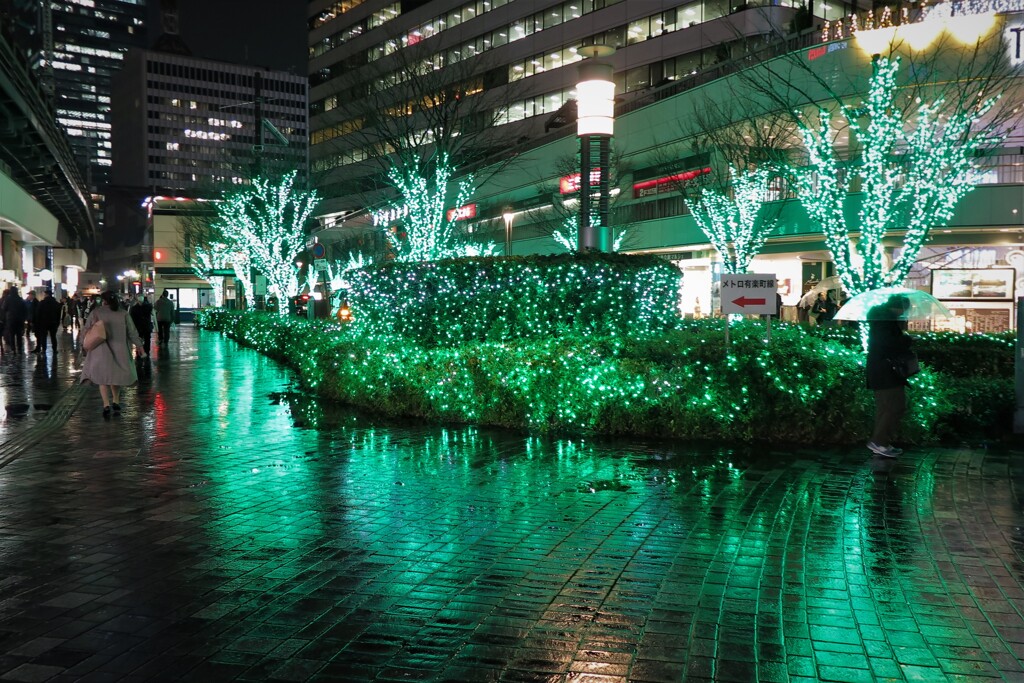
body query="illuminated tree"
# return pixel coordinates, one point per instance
(204, 247)
(729, 173)
(429, 229)
(409, 144)
(207, 258)
(917, 163)
(884, 156)
(268, 220)
(732, 218)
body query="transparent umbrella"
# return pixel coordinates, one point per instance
(826, 285)
(893, 303)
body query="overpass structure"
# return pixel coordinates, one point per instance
(44, 200)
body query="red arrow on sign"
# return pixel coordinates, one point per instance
(743, 301)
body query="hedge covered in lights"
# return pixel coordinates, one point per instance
(455, 301)
(679, 384)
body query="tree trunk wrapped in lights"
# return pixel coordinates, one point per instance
(916, 165)
(268, 222)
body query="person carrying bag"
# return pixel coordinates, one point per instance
(109, 363)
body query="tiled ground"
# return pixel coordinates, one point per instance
(202, 536)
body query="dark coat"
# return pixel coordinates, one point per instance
(142, 316)
(14, 310)
(47, 313)
(886, 339)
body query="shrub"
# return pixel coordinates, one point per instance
(456, 301)
(681, 383)
(952, 353)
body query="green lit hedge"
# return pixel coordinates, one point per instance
(455, 301)
(680, 383)
(952, 353)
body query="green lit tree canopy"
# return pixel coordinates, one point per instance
(916, 164)
(207, 258)
(267, 221)
(429, 231)
(732, 218)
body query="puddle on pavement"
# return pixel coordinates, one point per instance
(23, 409)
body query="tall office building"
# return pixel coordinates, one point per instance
(188, 125)
(522, 56)
(75, 48)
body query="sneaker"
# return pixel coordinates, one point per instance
(106, 411)
(884, 451)
(116, 407)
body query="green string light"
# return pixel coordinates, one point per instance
(916, 165)
(731, 220)
(267, 223)
(206, 258)
(429, 230)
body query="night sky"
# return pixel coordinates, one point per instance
(269, 33)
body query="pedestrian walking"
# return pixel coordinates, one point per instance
(30, 316)
(142, 315)
(13, 308)
(110, 364)
(66, 319)
(83, 310)
(46, 321)
(164, 309)
(887, 340)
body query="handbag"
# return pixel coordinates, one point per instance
(905, 364)
(96, 335)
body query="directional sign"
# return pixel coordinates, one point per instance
(748, 293)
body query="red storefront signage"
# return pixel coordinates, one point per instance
(669, 183)
(569, 184)
(462, 213)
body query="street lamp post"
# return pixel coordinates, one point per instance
(508, 216)
(595, 121)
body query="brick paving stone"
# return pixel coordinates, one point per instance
(203, 536)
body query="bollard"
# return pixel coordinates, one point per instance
(1018, 371)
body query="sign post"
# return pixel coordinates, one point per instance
(748, 293)
(1018, 416)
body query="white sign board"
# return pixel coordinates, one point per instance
(748, 294)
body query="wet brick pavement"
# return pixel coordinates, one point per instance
(202, 536)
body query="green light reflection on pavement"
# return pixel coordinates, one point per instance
(457, 538)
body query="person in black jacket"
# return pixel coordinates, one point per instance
(142, 315)
(46, 321)
(886, 339)
(13, 309)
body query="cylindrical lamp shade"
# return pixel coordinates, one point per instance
(595, 102)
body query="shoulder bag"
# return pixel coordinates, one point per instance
(905, 364)
(96, 335)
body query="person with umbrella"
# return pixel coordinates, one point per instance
(887, 339)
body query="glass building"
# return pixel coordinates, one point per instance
(75, 47)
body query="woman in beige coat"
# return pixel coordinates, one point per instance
(111, 365)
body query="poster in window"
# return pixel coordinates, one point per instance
(973, 284)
